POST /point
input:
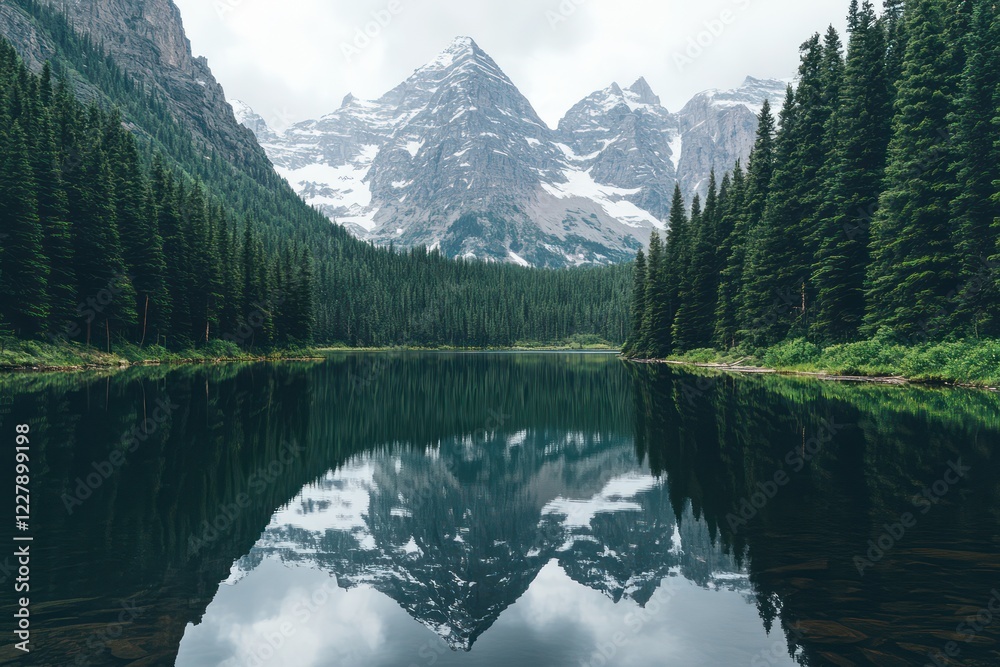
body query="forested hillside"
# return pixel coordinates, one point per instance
(191, 248)
(871, 208)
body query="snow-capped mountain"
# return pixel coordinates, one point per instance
(456, 158)
(457, 534)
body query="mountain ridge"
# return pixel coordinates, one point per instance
(456, 158)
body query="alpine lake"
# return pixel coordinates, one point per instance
(410, 509)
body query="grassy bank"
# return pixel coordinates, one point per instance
(590, 343)
(973, 363)
(36, 355)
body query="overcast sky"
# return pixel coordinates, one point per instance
(296, 59)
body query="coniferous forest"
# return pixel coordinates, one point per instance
(869, 208)
(120, 226)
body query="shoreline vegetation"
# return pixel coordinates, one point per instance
(30, 356)
(36, 356)
(971, 364)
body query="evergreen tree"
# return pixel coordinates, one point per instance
(773, 273)
(655, 341)
(688, 313)
(759, 172)
(638, 302)
(978, 173)
(730, 260)
(895, 35)
(913, 266)
(142, 246)
(863, 128)
(53, 213)
(24, 267)
(106, 295)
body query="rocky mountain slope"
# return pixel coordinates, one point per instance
(146, 39)
(455, 157)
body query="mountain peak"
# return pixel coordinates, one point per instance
(462, 43)
(460, 49)
(644, 92)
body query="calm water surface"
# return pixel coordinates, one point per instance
(487, 510)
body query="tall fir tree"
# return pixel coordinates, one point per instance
(638, 311)
(655, 341)
(863, 128)
(142, 246)
(729, 261)
(53, 212)
(977, 173)
(914, 263)
(106, 294)
(760, 170)
(696, 297)
(24, 268)
(773, 273)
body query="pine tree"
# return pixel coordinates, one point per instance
(638, 302)
(305, 319)
(913, 266)
(107, 296)
(655, 341)
(773, 273)
(176, 248)
(53, 212)
(676, 261)
(895, 35)
(24, 268)
(695, 302)
(730, 253)
(706, 263)
(977, 173)
(142, 246)
(759, 172)
(863, 128)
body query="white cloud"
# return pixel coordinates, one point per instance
(285, 58)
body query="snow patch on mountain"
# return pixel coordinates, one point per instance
(455, 158)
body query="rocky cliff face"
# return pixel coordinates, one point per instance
(719, 126)
(456, 158)
(146, 39)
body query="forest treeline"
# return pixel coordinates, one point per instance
(869, 207)
(97, 247)
(246, 260)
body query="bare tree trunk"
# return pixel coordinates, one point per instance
(107, 329)
(145, 317)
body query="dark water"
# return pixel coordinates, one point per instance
(504, 509)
